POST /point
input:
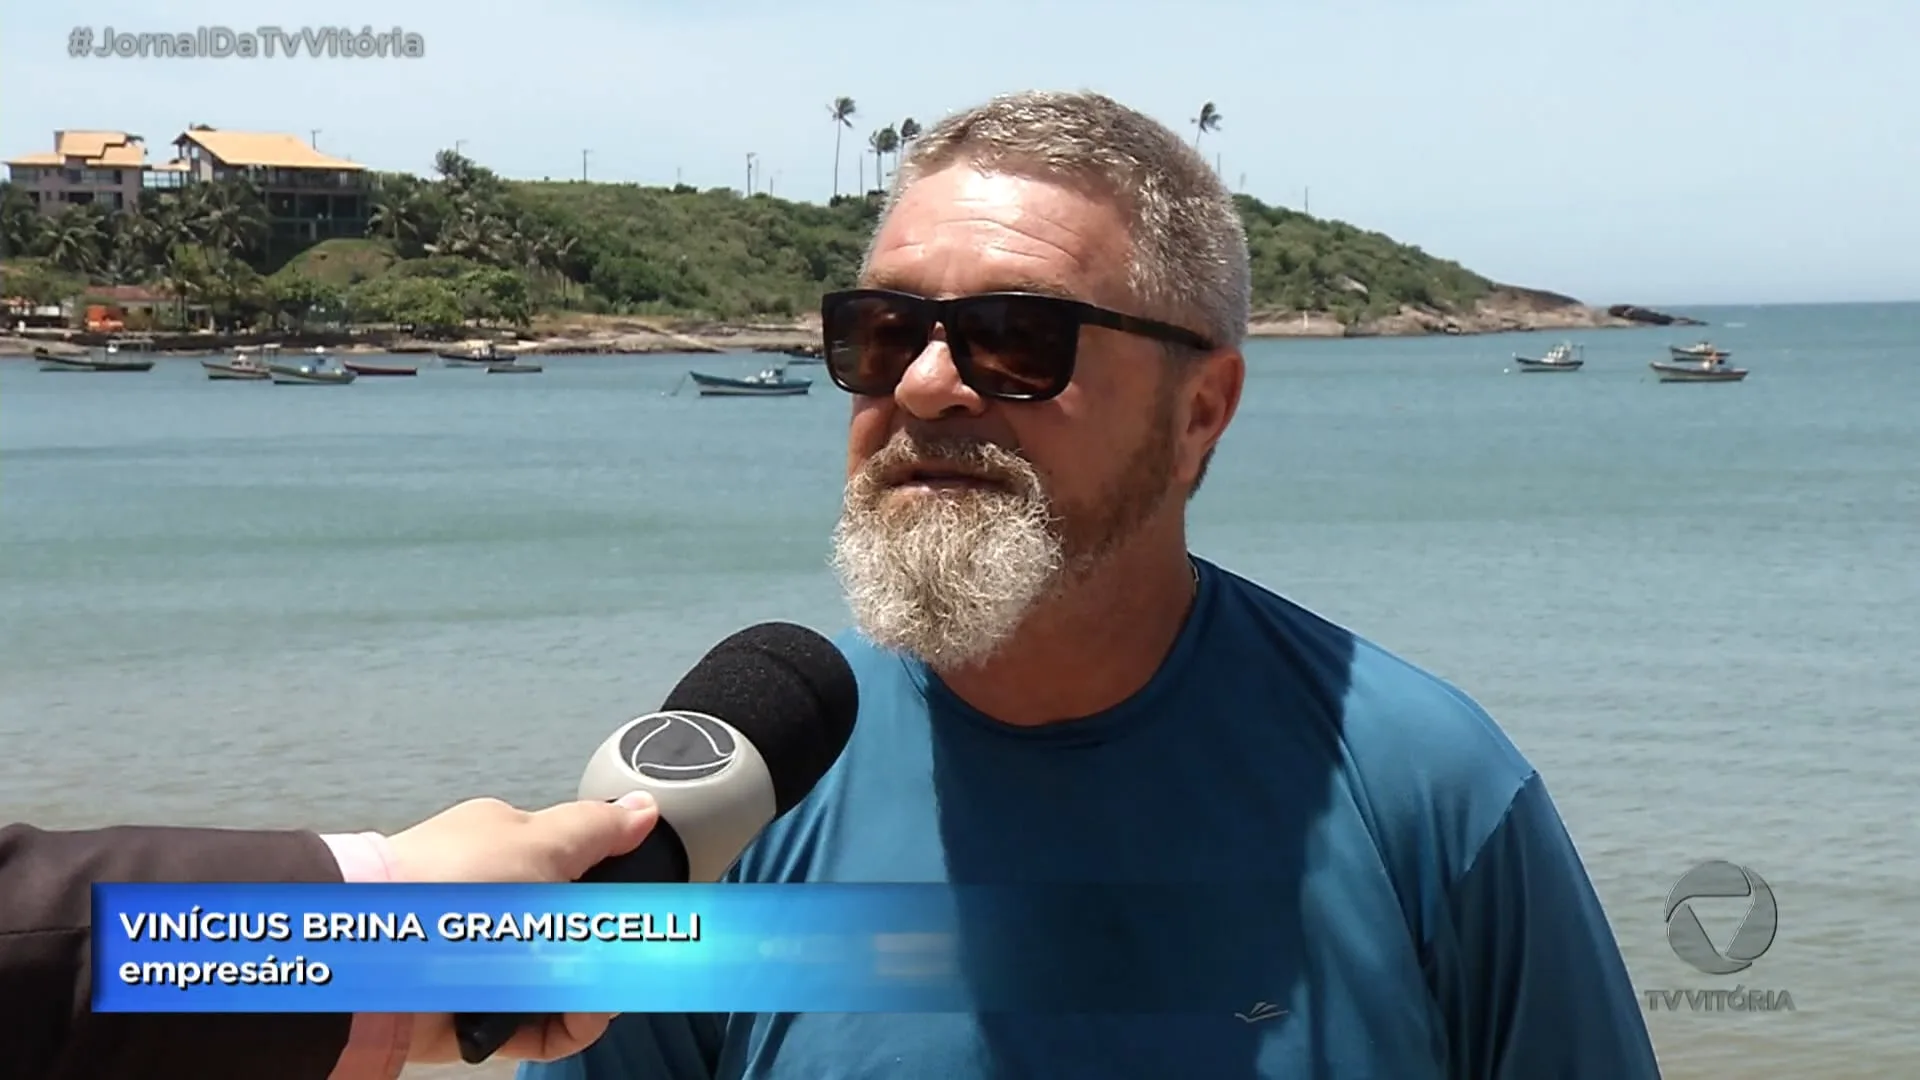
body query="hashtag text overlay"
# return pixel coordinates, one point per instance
(268, 42)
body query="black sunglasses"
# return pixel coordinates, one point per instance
(1010, 346)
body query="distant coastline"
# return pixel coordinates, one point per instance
(1507, 309)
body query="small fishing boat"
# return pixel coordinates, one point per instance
(361, 367)
(1697, 371)
(1565, 356)
(97, 359)
(243, 366)
(1704, 350)
(515, 367)
(310, 375)
(477, 355)
(772, 382)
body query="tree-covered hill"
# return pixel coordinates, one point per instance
(468, 246)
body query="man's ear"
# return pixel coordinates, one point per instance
(1211, 397)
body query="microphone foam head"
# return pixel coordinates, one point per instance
(788, 690)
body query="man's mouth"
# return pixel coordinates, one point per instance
(945, 477)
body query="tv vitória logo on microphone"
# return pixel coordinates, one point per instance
(679, 746)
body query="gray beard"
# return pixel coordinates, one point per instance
(947, 576)
(950, 575)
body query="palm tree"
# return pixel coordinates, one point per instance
(455, 168)
(842, 111)
(402, 213)
(909, 131)
(559, 248)
(229, 216)
(22, 228)
(472, 231)
(885, 141)
(186, 276)
(1208, 120)
(78, 239)
(133, 242)
(889, 143)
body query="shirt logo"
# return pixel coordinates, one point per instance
(1262, 1010)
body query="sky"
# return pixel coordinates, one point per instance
(1619, 151)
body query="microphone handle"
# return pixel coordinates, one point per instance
(661, 858)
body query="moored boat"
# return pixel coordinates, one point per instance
(310, 375)
(1696, 371)
(362, 367)
(1565, 356)
(97, 359)
(1704, 350)
(478, 354)
(772, 382)
(515, 367)
(237, 369)
(243, 365)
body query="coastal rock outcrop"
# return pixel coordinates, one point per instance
(1650, 317)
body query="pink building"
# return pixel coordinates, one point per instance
(104, 167)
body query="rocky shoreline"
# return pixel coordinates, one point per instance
(1507, 309)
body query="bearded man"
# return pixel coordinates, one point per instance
(1043, 354)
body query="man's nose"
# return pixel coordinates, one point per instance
(931, 387)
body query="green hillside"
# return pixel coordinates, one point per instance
(470, 246)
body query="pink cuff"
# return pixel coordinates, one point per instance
(377, 1043)
(363, 857)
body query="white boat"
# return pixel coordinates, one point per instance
(1565, 356)
(1696, 371)
(772, 382)
(310, 375)
(1705, 350)
(243, 366)
(476, 355)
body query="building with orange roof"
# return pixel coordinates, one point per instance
(107, 168)
(310, 196)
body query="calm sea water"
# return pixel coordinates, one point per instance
(1694, 607)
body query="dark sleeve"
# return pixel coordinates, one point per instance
(1525, 968)
(46, 909)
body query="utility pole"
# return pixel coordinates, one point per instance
(313, 138)
(750, 157)
(583, 165)
(1306, 200)
(457, 144)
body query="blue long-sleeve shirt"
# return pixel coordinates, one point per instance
(1431, 919)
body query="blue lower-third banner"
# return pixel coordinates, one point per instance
(684, 948)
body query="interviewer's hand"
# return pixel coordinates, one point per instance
(486, 840)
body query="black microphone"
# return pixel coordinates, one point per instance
(740, 741)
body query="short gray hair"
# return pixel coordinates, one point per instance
(1188, 259)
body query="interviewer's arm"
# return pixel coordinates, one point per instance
(46, 947)
(46, 909)
(377, 1045)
